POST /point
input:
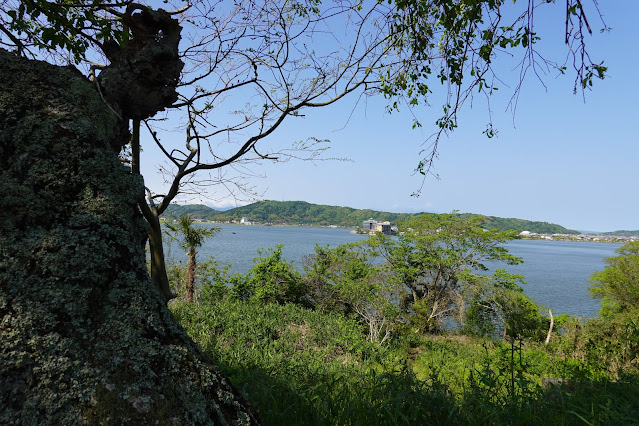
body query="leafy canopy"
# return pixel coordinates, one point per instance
(618, 284)
(440, 260)
(64, 25)
(271, 280)
(190, 236)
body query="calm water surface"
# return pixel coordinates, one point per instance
(556, 272)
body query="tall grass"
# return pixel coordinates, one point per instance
(302, 367)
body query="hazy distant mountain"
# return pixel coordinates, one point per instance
(622, 233)
(303, 213)
(197, 211)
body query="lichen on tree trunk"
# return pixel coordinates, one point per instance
(85, 336)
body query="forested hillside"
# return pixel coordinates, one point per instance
(196, 211)
(303, 213)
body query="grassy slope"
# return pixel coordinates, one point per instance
(304, 367)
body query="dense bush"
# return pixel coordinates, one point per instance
(270, 280)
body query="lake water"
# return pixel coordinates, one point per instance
(556, 272)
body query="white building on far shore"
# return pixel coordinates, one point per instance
(372, 226)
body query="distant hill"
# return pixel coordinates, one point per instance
(622, 233)
(303, 213)
(197, 211)
(537, 227)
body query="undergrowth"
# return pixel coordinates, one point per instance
(303, 367)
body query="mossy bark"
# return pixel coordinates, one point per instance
(85, 336)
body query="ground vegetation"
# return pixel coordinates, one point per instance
(302, 366)
(318, 362)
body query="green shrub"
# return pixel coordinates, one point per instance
(270, 280)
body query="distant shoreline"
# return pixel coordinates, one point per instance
(596, 238)
(292, 213)
(589, 238)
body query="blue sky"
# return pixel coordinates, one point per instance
(557, 159)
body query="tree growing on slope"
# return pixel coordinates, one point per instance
(192, 238)
(618, 284)
(436, 257)
(349, 280)
(618, 287)
(271, 280)
(497, 305)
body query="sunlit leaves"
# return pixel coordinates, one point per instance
(438, 258)
(618, 283)
(190, 236)
(457, 42)
(593, 71)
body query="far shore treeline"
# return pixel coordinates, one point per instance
(306, 214)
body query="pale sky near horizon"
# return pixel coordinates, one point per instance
(557, 159)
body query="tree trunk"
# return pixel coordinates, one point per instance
(156, 252)
(135, 147)
(150, 213)
(190, 285)
(85, 335)
(552, 323)
(140, 81)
